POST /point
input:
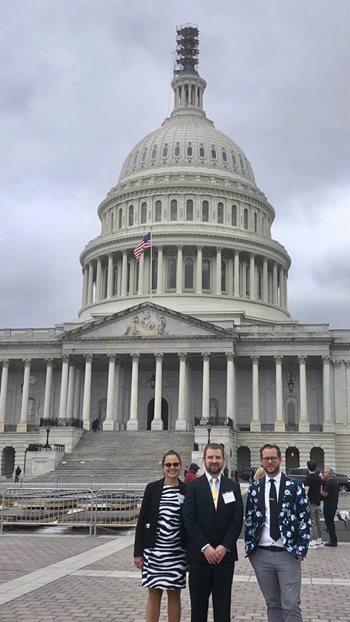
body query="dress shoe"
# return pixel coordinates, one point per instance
(331, 544)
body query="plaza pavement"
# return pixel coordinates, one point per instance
(70, 577)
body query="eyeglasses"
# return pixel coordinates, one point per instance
(168, 465)
(270, 459)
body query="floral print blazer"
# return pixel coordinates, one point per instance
(294, 516)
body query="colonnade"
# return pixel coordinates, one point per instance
(72, 381)
(232, 272)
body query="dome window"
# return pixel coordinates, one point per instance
(189, 209)
(120, 218)
(205, 211)
(213, 153)
(245, 218)
(224, 156)
(223, 276)
(143, 213)
(189, 273)
(189, 151)
(154, 272)
(165, 151)
(171, 273)
(234, 215)
(201, 152)
(154, 153)
(158, 211)
(144, 154)
(241, 162)
(206, 274)
(173, 209)
(233, 159)
(177, 150)
(255, 222)
(135, 158)
(220, 213)
(131, 215)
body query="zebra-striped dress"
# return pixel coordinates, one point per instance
(164, 564)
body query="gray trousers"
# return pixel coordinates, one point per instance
(316, 531)
(279, 578)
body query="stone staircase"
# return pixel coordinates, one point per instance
(123, 457)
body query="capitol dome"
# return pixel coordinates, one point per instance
(193, 190)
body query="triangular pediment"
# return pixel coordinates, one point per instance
(146, 320)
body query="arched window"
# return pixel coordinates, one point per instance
(205, 211)
(165, 151)
(201, 151)
(173, 209)
(120, 218)
(241, 162)
(189, 209)
(177, 150)
(144, 154)
(131, 215)
(135, 158)
(158, 211)
(189, 273)
(171, 273)
(245, 218)
(220, 213)
(154, 153)
(291, 417)
(224, 156)
(255, 222)
(206, 274)
(213, 153)
(143, 212)
(234, 215)
(154, 272)
(112, 221)
(233, 159)
(259, 284)
(128, 274)
(223, 276)
(32, 409)
(115, 280)
(189, 150)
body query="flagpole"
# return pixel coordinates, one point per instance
(150, 268)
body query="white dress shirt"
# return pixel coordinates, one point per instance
(265, 538)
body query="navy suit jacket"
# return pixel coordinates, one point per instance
(205, 524)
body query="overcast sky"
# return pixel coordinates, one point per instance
(83, 80)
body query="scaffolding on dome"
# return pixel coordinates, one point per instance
(187, 49)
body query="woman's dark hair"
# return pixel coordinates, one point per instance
(171, 452)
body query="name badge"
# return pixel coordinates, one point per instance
(180, 498)
(228, 497)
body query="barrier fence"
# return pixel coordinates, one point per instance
(66, 507)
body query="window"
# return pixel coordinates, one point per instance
(224, 156)
(154, 153)
(144, 154)
(143, 212)
(205, 211)
(136, 276)
(223, 276)
(206, 274)
(201, 152)
(154, 272)
(189, 151)
(135, 158)
(255, 222)
(165, 151)
(115, 280)
(158, 211)
(188, 273)
(234, 215)
(220, 213)
(173, 209)
(177, 150)
(233, 159)
(245, 218)
(131, 215)
(189, 209)
(112, 221)
(128, 273)
(213, 153)
(171, 273)
(120, 218)
(241, 162)
(259, 284)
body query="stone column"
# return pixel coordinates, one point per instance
(3, 393)
(91, 283)
(303, 421)
(98, 291)
(205, 387)
(274, 284)
(64, 386)
(84, 297)
(110, 276)
(133, 423)
(76, 400)
(108, 423)
(279, 423)
(140, 285)
(160, 270)
(236, 275)
(252, 285)
(157, 423)
(70, 395)
(124, 273)
(218, 271)
(328, 424)
(182, 423)
(265, 289)
(48, 389)
(179, 269)
(285, 289)
(87, 392)
(231, 387)
(22, 426)
(255, 425)
(199, 270)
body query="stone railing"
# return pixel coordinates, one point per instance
(214, 422)
(267, 427)
(33, 334)
(280, 329)
(61, 423)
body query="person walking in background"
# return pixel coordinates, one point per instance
(312, 486)
(159, 550)
(213, 516)
(277, 533)
(191, 473)
(330, 494)
(18, 472)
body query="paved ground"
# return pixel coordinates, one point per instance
(46, 577)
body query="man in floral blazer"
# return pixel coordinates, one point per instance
(277, 534)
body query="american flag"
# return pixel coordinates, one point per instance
(146, 242)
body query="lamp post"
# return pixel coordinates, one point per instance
(47, 446)
(290, 383)
(208, 430)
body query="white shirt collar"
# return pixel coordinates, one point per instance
(276, 478)
(210, 476)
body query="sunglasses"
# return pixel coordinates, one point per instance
(168, 465)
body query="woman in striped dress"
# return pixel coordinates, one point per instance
(160, 540)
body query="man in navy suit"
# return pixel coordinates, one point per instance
(213, 516)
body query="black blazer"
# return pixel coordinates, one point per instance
(205, 525)
(146, 528)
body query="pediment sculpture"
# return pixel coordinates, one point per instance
(145, 326)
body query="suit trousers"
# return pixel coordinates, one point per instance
(215, 579)
(329, 514)
(279, 578)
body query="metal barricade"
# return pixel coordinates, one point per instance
(117, 508)
(47, 506)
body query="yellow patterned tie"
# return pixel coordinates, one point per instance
(215, 490)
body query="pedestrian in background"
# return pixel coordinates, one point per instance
(330, 494)
(312, 485)
(191, 473)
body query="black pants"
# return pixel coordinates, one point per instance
(329, 514)
(215, 579)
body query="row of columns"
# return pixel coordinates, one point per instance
(69, 402)
(101, 273)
